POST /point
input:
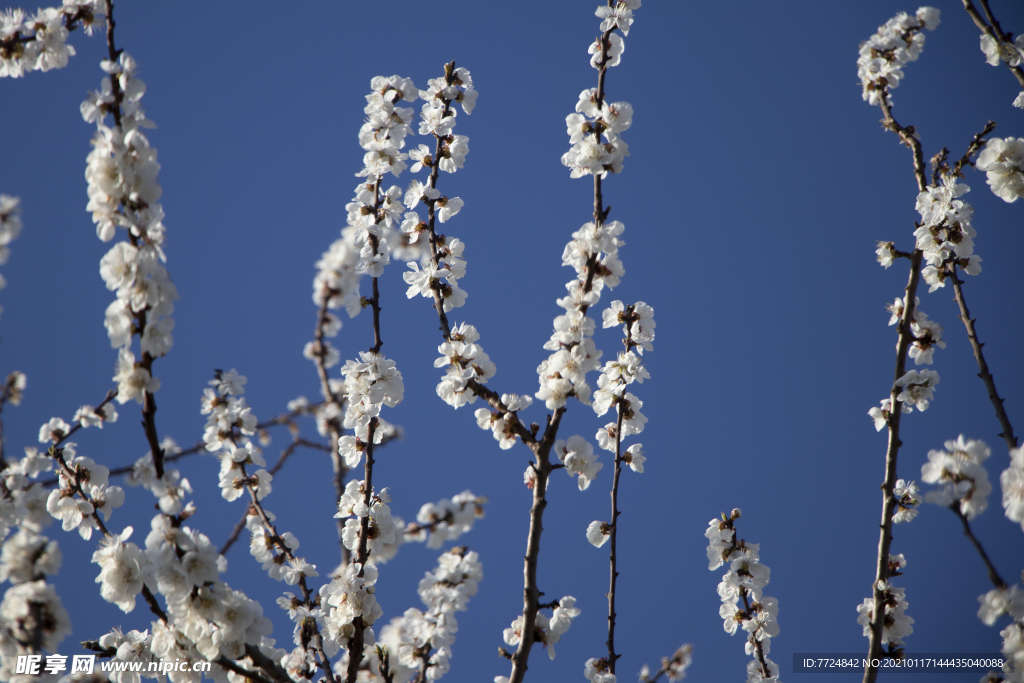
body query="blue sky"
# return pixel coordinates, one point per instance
(757, 186)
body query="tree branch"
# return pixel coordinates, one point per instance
(994, 31)
(993, 575)
(983, 371)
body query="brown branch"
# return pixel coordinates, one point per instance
(285, 454)
(994, 31)
(231, 666)
(278, 541)
(542, 449)
(334, 427)
(907, 137)
(983, 371)
(273, 669)
(112, 54)
(435, 167)
(531, 593)
(993, 575)
(612, 556)
(905, 336)
(976, 144)
(892, 450)
(355, 650)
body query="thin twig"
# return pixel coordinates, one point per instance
(983, 371)
(993, 575)
(285, 454)
(612, 556)
(334, 427)
(972, 149)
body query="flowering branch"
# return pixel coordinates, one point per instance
(612, 558)
(994, 32)
(320, 351)
(675, 666)
(745, 579)
(895, 44)
(285, 454)
(75, 487)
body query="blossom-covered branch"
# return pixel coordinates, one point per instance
(997, 45)
(744, 581)
(898, 42)
(37, 42)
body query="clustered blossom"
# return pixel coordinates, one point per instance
(29, 604)
(411, 637)
(594, 254)
(370, 382)
(349, 595)
(744, 581)
(547, 630)
(917, 387)
(674, 667)
(638, 333)
(896, 625)
(124, 192)
(908, 498)
(87, 416)
(83, 491)
(207, 619)
(883, 55)
(594, 117)
(995, 603)
(374, 214)
(1013, 648)
(29, 608)
(382, 529)
(627, 368)
(596, 671)
(129, 647)
(1003, 163)
(229, 427)
(10, 228)
(946, 236)
(504, 424)
(465, 361)
(1012, 481)
(446, 520)
(374, 210)
(124, 567)
(961, 474)
(1011, 53)
(13, 389)
(579, 459)
(441, 264)
(37, 42)
(996, 51)
(450, 266)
